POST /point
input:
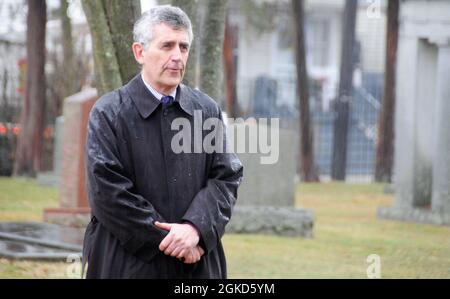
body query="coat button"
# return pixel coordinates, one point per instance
(174, 180)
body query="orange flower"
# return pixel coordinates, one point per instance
(3, 129)
(16, 130)
(48, 132)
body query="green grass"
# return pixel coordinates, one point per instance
(24, 199)
(346, 231)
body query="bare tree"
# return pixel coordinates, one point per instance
(111, 24)
(211, 74)
(191, 8)
(70, 84)
(306, 167)
(385, 146)
(28, 160)
(230, 68)
(63, 80)
(345, 92)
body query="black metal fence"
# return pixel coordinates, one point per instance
(9, 133)
(363, 123)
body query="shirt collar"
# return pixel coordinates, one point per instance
(146, 102)
(156, 93)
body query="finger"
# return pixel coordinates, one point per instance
(196, 256)
(163, 225)
(188, 257)
(186, 260)
(170, 249)
(174, 245)
(176, 252)
(181, 254)
(201, 251)
(166, 242)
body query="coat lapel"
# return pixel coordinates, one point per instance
(146, 102)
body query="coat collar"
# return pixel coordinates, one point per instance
(146, 102)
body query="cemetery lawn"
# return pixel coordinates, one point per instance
(24, 200)
(346, 232)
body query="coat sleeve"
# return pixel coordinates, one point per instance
(112, 197)
(212, 206)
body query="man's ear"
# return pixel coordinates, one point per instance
(138, 51)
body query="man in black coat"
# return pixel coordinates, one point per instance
(158, 212)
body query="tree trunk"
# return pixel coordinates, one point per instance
(229, 45)
(190, 7)
(385, 148)
(345, 92)
(70, 78)
(29, 149)
(306, 167)
(4, 111)
(111, 25)
(121, 17)
(211, 74)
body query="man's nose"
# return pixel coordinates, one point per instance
(176, 54)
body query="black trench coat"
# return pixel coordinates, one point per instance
(134, 179)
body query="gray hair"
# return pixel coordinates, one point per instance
(170, 15)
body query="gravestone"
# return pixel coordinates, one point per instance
(265, 97)
(422, 145)
(74, 207)
(39, 241)
(59, 125)
(266, 197)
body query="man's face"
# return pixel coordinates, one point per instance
(164, 59)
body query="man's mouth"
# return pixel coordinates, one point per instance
(175, 71)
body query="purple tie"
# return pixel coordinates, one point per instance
(167, 100)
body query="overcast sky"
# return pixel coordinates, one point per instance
(13, 14)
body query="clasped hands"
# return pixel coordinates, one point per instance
(181, 242)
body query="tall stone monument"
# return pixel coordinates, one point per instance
(422, 144)
(74, 206)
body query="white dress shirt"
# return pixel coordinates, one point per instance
(156, 93)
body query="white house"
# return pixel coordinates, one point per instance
(272, 53)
